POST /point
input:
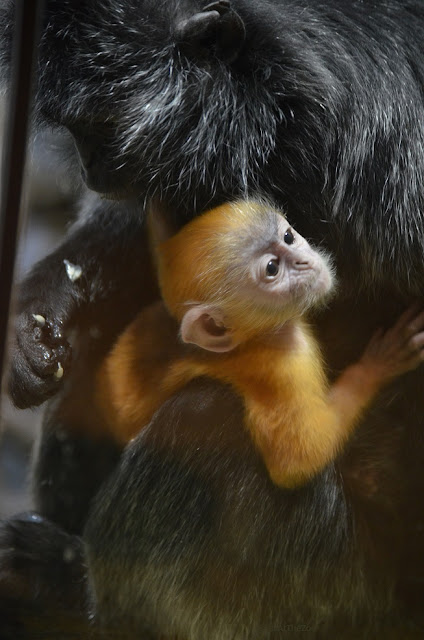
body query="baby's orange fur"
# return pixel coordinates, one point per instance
(284, 389)
(297, 423)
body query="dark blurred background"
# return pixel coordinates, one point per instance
(50, 196)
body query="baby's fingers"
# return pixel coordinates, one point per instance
(410, 323)
(414, 351)
(415, 344)
(375, 341)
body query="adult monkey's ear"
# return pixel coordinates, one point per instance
(217, 27)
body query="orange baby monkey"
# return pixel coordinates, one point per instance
(236, 284)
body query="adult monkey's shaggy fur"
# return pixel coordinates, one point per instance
(319, 106)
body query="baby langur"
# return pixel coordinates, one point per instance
(236, 283)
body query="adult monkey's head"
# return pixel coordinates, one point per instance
(180, 98)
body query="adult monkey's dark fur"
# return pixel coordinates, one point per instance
(319, 106)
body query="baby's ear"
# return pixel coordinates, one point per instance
(204, 325)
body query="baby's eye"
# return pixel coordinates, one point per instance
(289, 237)
(272, 268)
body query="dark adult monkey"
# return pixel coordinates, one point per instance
(222, 101)
(319, 106)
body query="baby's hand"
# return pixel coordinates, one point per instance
(400, 349)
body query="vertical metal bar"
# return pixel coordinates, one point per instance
(26, 33)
